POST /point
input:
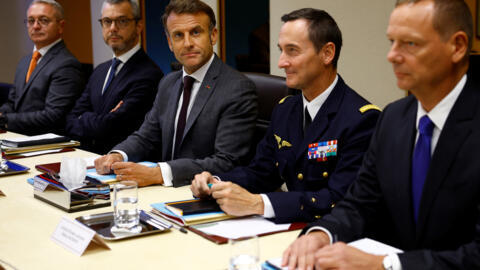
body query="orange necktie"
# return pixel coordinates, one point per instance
(33, 63)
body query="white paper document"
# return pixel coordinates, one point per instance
(36, 153)
(241, 227)
(34, 138)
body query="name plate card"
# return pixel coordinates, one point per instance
(75, 237)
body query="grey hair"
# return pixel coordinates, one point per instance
(54, 4)
(133, 3)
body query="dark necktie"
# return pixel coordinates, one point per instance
(182, 117)
(111, 75)
(308, 120)
(421, 161)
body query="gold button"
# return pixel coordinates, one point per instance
(313, 199)
(276, 164)
(325, 174)
(333, 205)
(317, 217)
(301, 207)
(300, 176)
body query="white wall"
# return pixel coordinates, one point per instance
(16, 43)
(101, 52)
(362, 64)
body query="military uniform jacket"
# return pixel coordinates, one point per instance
(314, 184)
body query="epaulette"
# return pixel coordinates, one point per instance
(283, 99)
(368, 107)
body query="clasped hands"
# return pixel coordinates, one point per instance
(141, 174)
(232, 199)
(313, 251)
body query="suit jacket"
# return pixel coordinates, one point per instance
(379, 203)
(91, 121)
(314, 185)
(41, 105)
(218, 131)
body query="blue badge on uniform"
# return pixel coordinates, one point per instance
(322, 150)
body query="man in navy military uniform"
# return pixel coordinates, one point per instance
(315, 142)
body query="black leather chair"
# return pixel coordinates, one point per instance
(270, 90)
(4, 89)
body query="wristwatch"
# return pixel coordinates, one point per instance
(387, 263)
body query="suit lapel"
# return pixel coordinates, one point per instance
(455, 132)
(169, 126)
(117, 81)
(204, 93)
(45, 60)
(321, 120)
(403, 140)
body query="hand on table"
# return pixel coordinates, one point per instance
(141, 174)
(235, 200)
(199, 186)
(314, 250)
(103, 164)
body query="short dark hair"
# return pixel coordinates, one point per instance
(321, 30)
(189, 7)
(133, 3)
(450, 16)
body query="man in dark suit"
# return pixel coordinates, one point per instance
(315, 142)
(120, 91)
(418, 188)
(48, 81)
(205, 123)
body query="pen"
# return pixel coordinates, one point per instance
(171, 224)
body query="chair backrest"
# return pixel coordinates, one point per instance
(4, 89)
(270, 90)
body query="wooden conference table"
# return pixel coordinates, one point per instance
(26, 225)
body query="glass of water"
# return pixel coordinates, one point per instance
(244, 254)
(125, 210)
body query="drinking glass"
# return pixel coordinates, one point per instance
(244, 254)
(125, 210)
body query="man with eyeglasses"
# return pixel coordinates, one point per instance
(203, 117)
(47, 81)
(120, 91)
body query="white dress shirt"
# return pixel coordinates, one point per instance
(198, 75)
(123, 58)
(313, 107)
(438, 115)
(45, 49)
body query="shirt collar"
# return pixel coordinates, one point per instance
(440, 112)
(45, 49)
(315, 105)
(200, 73)
(124, 57)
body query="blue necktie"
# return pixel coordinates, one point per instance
(421, 161)
(111, 75)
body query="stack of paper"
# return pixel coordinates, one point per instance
(43, 142)
(190, 219)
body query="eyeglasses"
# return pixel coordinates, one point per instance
(120, 22)
(43, 21)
